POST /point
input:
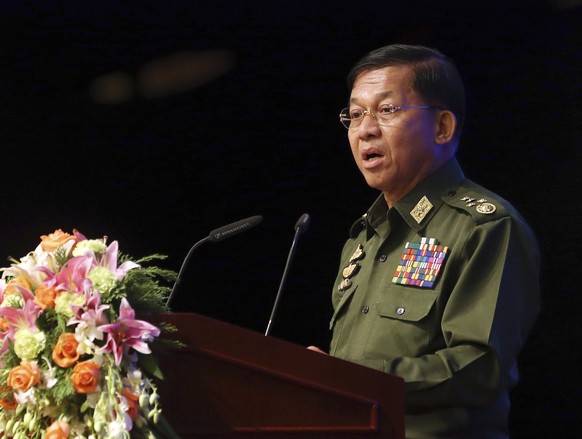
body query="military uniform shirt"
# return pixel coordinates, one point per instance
(452, 329)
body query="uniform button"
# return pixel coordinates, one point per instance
(365, 309)
(452, 193)
(400, 311)
(383, 258)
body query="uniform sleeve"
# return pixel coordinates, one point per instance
(491, 308)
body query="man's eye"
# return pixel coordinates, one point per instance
(356, 114)
(387, 109)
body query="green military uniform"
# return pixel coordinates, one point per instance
(442, 290)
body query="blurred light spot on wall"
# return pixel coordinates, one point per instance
(177, 73)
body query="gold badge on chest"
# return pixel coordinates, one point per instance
(358, 254)
(352, 268)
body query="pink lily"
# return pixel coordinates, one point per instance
(74, 274)
(109, 261)
(17, 319)
(93, 310)
(24, 292)
(128, 333)
(79, 236)
(87, 320)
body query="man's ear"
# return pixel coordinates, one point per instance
(446, 126)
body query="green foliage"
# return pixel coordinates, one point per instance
(52, 324)
(149, 365)
(63, 389)
(143, 288)
(61, 257)
(10, 359)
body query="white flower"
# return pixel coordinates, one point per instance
(85, 333)
(134, 379)
(49, 378)
(28, 344)
(117, 429)
(13, 301)
(103, 279)
(64, 301)
(89, 246)
(29, 266)
(28, 397)
(48, 375)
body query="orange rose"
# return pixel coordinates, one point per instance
(85, 377)
(45, 296)
(65, 351)
(58, 430)
(20, 280)
(23, 377)
(54, 240)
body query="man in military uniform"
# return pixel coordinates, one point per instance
(439, 281)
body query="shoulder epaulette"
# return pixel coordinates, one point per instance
(482, 207)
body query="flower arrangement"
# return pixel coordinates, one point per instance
(74, 360)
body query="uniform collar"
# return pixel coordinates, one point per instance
(421, 203)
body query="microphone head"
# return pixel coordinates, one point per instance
(302, 224)
(235, 228)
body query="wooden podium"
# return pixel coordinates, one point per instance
(230, 382)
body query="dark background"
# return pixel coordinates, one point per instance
(157, 173)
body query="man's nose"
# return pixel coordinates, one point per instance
(369, 125)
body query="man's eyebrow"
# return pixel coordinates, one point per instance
(380, 95)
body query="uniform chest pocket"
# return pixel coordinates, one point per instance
(411, 305)
(404, 323)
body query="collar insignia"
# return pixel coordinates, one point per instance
(421, 209)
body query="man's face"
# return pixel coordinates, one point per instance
(394, 158)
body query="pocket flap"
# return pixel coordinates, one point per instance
(407, 304)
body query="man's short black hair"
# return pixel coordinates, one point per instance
(435, 77)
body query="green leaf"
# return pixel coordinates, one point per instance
(150, 366)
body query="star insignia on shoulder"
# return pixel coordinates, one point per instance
(482, 205)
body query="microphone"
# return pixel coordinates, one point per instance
(300, 228)
(216, 235)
